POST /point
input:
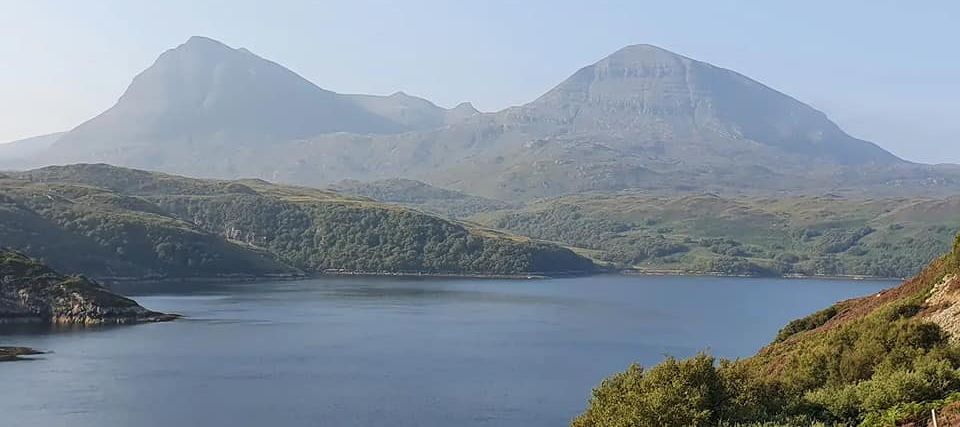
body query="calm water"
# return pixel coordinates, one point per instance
(375, 352)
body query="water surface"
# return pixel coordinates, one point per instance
(375, 352)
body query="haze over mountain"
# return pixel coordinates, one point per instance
(204, 97)
(642, 117)
(29, 147)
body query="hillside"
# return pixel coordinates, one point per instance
(100, 233)
(421, 195)
(107, 222)
(31, 291)
(640, 118)
(707, 233)
(881, 360)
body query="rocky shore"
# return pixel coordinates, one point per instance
(32, 292)
(9, 354)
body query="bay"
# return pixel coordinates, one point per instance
(381, 351)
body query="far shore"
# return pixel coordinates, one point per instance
(334, 273)
(478, 276)
(684, 273)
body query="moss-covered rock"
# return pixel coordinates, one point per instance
(32, 292)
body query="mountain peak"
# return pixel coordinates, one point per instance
(199, 48)
(466, 107)
(642, 49)
(197, 41)
(639, 56)
(204, 90)
(654, 94)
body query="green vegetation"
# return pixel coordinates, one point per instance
(89, 230)
(8, 354)
(800, 235)
(31, 291)
(423, 196)
(881, 360)
(113, 222)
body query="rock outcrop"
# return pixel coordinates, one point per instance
(943, 306)
(32, 292)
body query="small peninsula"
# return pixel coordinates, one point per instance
(32, 292)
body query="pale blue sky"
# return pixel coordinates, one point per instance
(887, 71)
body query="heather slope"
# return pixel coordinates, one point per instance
(884, 359)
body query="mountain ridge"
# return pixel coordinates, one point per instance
(642, 117)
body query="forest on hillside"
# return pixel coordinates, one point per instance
(122, 223)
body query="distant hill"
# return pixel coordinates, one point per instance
(27, 148)
(746, 235)
(423, 196)
(116, 223)
(642, 118)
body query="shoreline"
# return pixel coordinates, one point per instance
(107, 281)
(198, 279)
(12, 354)
(681, 273)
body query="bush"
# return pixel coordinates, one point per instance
(674, 393)
(808, 323)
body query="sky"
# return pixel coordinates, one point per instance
(886, 71)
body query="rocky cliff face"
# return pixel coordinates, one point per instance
(32, 292)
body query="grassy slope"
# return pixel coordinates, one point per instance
(826, 235)
(91, 215)
(885, 359)
(423, 196)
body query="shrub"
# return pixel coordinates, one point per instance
(674, 393)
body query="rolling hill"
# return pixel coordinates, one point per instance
(420, 195)
(826, 235)
(114, 223)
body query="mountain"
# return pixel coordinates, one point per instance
(204, 100)
(642, 117)
(887, 359)
(116, 223)
(650, 100)
(31, 291)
